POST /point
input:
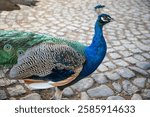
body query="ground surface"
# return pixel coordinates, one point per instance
(125, 72)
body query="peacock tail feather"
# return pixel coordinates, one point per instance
(15, 43)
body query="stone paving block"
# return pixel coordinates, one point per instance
(146, 55)
(100, 78)
(115, 98)
(112, 76)
(136, 97)
(139, 57)
(142, 46)
(110, 65)
(2, 95)
(114, 55)
(131, 60)
(135, 50)
(125, 53)
(119, 48)
(17, 90)
(102, 68)
(126, 73)
(140, 82)
(100, 91)
(32, 96)
(138, 70)
(84, 96)
(68, 92)
(129, 87)
(6, 82)
(83, 85)
(117, 86)
(143, 65)
(120, 62)
(146, 94)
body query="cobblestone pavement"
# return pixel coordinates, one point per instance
(125, 72)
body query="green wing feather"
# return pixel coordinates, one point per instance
(14, 43)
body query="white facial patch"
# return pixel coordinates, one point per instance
(103, 19)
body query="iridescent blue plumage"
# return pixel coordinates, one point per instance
(96, 52)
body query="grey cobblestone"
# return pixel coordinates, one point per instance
(146, 94)
(136, 97)
(100, 91)
(115, 98)
(17, 90)
(112, 76)
(143, 65)
(117, 87)
(125, 53)
(102, 68)
(84, 96)
(119, 48)
(138, 70)
(100, 78)
(142, 46)
(129, 87)
(2, 95)
(114, 55)
(68, 92)
(83, 85)
(33, 96)
(110, 65)
(131, 60)
(120, 62)
(140, 82)
(146, 55)
(139, 57)
(126, 73)
(6, 82)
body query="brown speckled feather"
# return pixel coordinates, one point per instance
(41, 59)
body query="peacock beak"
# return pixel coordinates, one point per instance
(112, 19)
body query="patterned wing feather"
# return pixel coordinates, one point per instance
(41, 59)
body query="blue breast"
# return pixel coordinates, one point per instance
(94, 57)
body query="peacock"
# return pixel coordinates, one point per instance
(10, 5)
(44, 61)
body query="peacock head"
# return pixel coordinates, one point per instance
(104, 19)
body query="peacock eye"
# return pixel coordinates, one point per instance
(20, 52)
(105, 18)
(7, 47)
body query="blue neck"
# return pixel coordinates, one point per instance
(98, 38)
(95, 53)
